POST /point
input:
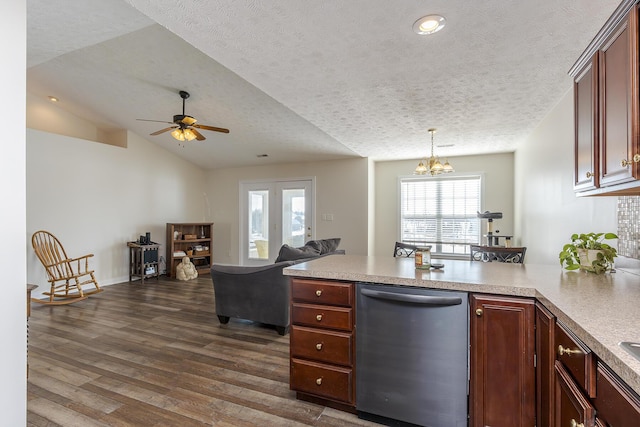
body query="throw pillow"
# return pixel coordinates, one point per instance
(288, 253)
(325, 245)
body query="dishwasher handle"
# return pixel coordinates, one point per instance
(412, 298)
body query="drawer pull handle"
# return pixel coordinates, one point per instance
(319, 317)
(562, 351)
(318, 292)
(574, 423)
(319, 382)
(319, 346)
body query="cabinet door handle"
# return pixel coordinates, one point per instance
(319, 346)
(319, 382)
(589, 175)
(479, 312)
(562, 351)
(574, 423)
(624, 162)
(319, 317)
(318, 292)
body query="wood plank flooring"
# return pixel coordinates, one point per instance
(156, 355)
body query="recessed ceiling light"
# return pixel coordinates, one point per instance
(429, 24)
(53, 99)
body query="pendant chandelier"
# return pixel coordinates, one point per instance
(433, 165)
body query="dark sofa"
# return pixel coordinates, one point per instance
(261, 293)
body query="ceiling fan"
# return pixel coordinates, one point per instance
(185, 127)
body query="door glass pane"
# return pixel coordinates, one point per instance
(293, 217)
(258, 224)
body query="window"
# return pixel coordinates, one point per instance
(441, 212)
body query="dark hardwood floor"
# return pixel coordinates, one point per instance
(156, 355)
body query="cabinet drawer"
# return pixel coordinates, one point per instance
(322, 346)
(577, 358)
(571, 407)
(321, 316)
(322, 292)
(331, 382)
(615, 403)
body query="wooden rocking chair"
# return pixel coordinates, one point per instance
(66, 275)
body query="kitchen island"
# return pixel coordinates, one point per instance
(601, 310)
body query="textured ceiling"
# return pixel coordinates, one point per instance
(304, 80)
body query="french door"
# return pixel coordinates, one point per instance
(274, 213)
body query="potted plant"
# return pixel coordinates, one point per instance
(589, 252)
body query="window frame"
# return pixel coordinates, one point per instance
(436, 247)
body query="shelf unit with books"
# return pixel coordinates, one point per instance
(192, 239)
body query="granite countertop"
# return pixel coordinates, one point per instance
(602, 310)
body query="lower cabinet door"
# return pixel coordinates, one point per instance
(326, 381)
(615, 403)
(503, 382)
(572, 409)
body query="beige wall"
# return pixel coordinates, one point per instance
(95, 197)
(547, 210)
(341, 190)
(13, 335)
(497, 173)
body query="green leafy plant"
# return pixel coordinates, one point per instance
(575, 255)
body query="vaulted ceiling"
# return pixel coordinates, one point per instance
(303, 80)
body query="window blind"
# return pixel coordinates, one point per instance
(441, 212)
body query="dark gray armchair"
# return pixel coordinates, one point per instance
(259, 293)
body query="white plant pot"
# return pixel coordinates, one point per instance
(587, 256)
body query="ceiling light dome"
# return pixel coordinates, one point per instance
(429, 24)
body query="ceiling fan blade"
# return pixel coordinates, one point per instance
(163, 130)
(198, 135)
(215, 129)
(156, 121)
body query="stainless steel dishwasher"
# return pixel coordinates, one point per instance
(412, 347)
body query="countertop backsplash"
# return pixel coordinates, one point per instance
(629, 226)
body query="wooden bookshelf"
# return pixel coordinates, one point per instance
(189, 236)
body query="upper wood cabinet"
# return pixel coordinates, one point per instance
(607, 117)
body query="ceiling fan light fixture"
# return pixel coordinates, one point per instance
(429, 24)
(183, 134)
(189, 135)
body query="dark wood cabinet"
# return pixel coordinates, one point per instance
(322, 343)
(585, 89)
(545, 357)
(618, 96)
(502, 389)
(572, 408)
(606, 109)
(616, 405)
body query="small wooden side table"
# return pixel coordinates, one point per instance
(143, 261)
